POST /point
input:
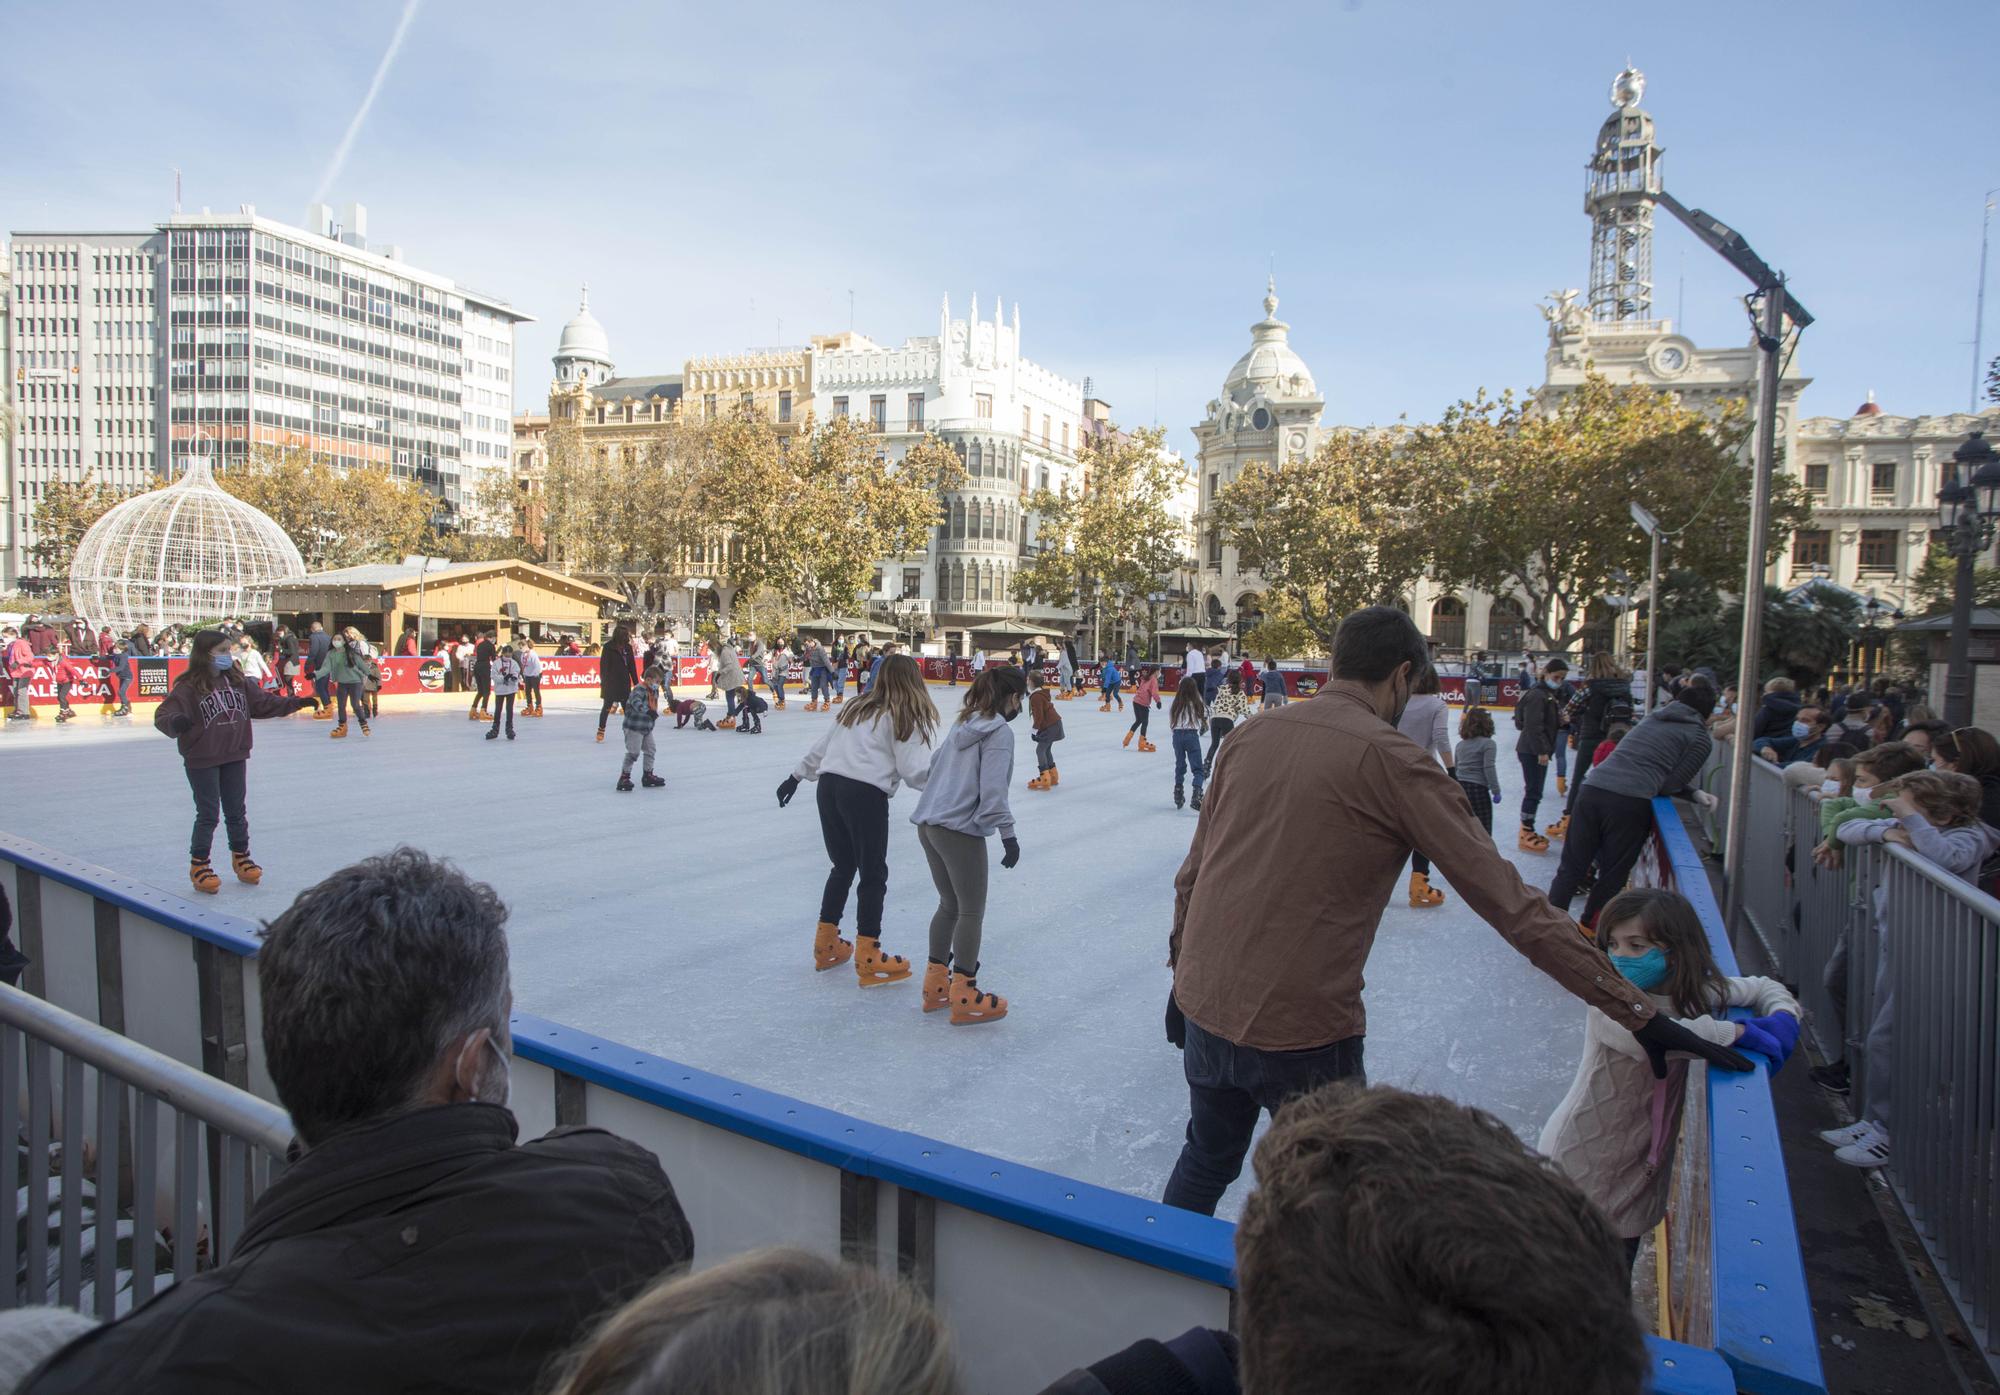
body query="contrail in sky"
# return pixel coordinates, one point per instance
(346, 146)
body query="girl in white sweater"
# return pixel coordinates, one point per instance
(1614, 1132)
(881, 741)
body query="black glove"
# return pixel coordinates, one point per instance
(1176, 1023)
(791, 787)
(1013, 853)
(1662, 1034)
(182, 725)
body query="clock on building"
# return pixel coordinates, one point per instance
(1669, 359)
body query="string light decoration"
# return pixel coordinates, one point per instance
(188, 552)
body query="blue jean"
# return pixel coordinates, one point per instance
(1534, 777)
(218, 796)
(819, 683)
(838, 676)
(1228, 1087)
(1187, 752)
(1561, 758)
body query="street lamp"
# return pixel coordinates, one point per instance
(1968, 503)
(1650, 526)
(1153, 600)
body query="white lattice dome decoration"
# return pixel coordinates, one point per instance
(183, 553)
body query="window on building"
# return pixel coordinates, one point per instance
(1507, 629)
(1816, 477)
(958, 518)
(1882, 481)
(1065, 437)
(878, 413)
(840, 406)
(1448, 623)
(913, 411)
(1878, 549)
(784, 406)
(875, 584)
(913, 583)
(1214, 550)
(1045, 430)
(1812, 547)
(983, 406)
(1044, 477)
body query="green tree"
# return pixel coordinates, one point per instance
(1283, 632)
(1109, 534)
(1538, 503)
(809, 520)
(336, 516)
(1803, 639)
(62, 516)
(622, 512)
(1351, 525)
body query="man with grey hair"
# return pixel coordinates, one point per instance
(412, 1244)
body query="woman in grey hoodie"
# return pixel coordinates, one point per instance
(964, 802)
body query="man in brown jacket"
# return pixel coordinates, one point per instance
(1311, 813)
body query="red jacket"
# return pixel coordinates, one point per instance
(70, 668)
(20, 659)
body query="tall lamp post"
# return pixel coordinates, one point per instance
(1650, 526)
(1968, 504)
(1153, 600)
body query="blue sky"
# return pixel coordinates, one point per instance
(725, 175)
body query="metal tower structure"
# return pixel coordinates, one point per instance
(1623, 184)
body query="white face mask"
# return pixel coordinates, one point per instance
(1861, 792)
(1829, 787)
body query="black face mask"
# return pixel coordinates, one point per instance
(1012, 715)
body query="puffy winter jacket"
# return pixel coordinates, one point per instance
(728, 668)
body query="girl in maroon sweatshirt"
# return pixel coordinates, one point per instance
(209, 711)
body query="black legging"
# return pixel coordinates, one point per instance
(1585, 749)
(606, 708)
(503, 706)
(484, 678)
(1218, 727)
(854, 821)
(533, 688)
(1610, 830)
(1142, 714)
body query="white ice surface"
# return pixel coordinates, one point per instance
(680, 920)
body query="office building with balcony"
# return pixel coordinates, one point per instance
(1017, 426)
(83, 371)
(282, 337)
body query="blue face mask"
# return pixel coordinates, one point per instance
(1800, 731)
(1645, 971)
(222, 661)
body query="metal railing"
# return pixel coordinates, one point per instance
(81, 1125)
(1897, 958)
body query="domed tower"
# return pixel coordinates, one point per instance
(1624, 182)
(583, 354)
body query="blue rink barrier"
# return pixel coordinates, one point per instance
(1004, 1250)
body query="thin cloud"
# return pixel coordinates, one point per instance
(346, 146)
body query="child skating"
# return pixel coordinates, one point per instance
(750, 716)
(642, 711)
(1145, 697)
(880, 741)
(1615, 1131)
(1188, 718)
(964, 802)
(1048, 727)
(208, 712)
(506, 683)
(692, 710)
(1109, 681)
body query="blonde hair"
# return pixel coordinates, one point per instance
(1946, 798)
(1603, 665)
(773, 1322)
(352, 635)
(899, 691)
(1781, 685)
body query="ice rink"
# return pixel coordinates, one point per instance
(681, 920)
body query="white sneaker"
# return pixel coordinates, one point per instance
(1872, 1151)
(1852, 1134)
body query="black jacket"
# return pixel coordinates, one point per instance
(614, 672)
(1775, 715)
(1539, 716)
(1593, 707)
(427, 1252)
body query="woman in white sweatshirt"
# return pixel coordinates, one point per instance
(881, 741)
(963, 804)
(1615, 1132)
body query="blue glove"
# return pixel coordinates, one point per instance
(1756, 1039)
(1496, 796)
(1780, 1029)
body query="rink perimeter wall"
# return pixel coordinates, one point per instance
(1036, 1273)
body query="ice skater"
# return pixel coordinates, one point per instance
(780, 669)
(642, 711)
(483, 654)
(1226, 710)
(1188, 717)
(208, 712)
(506, 683)
(750, 716)
(1272, 685)
(342, 670)
(1145, 697)
(615, 670)
(1047, 723)
(70, 670)
(531, 678)
(1065, 672)
(1108, 683)
(964, 802)
(880, 743)
(692, 710)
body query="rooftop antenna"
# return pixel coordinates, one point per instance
(177, 190)
(1979, 302)
(850, 310)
